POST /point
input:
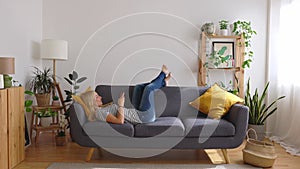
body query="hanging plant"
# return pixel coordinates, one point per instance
(244, 29)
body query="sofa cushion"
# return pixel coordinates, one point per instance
(205, 127)
(78, 99)
(163, 126)
(215, 102)
(112, 93)
(98, 128)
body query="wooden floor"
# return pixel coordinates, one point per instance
(42, 155)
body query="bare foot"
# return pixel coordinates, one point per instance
(168, 77)
(165, 69)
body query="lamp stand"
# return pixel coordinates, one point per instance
(58, 87)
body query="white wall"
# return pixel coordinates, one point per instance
(127, 41)
(20, 35)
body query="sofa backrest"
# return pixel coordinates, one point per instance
(169, 101)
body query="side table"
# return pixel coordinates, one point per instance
(35, 125)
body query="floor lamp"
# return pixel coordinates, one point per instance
(52, 49)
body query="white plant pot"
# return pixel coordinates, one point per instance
(46, 121)
(224, 32)
(260, 131)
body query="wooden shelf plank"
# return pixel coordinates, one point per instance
(215, 36)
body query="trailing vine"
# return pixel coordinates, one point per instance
(244, 29)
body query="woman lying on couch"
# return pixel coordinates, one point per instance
(142, 100)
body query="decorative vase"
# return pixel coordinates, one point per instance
(260, 131)
(208, 28)
(7, 81)
(60, 140)
(43, 99)
(46, 121)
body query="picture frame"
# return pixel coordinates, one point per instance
(226, 51)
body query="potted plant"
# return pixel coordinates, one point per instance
(74, 80)
(42, 84)
(258, 110)
(244, 29)
(223, 27)
(55, 101)
(60, 138)
(46, 117)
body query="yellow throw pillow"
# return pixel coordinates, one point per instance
(78, 99)
(215, 102)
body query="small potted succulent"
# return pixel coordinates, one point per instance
(223, 27)
(55, 101)
(60, 138)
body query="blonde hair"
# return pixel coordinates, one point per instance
(89, 100)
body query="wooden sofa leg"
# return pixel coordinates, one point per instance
(90, 154)
(225, 154)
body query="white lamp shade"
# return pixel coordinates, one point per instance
(54, 49)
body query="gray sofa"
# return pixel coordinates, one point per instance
(178, 125)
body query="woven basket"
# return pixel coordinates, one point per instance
(43, 99)
(259, 153)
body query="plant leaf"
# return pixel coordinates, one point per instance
(81, 79)
(75, 75)
(28, 109)
(69, 81)
(71, 76)
(29, 92)
(222, 50)
(28, 103)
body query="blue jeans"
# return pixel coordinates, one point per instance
(143, 98)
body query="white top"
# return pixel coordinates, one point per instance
(130, 115)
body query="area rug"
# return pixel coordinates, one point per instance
(146, 166)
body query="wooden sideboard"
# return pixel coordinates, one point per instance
(12, 127)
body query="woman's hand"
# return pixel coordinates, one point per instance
(121, 99)
(119, 118)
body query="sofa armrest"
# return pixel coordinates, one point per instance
(77, 120)
(238, 115)
(80, 113)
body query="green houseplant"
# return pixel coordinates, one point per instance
(42, 84)
(60, 138)
(55, 101)
(223, 27)
(244, 29)
(46, 116)
(73, 80)
(258, 110)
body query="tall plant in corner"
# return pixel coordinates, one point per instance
(258, 110)
(244, 29)
(74, 80)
